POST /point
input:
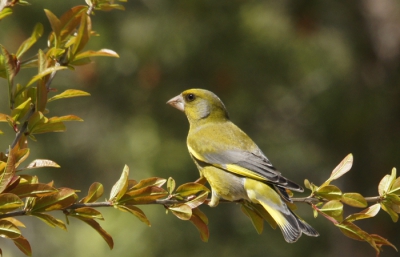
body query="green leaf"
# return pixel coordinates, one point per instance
(9, 202)
(9, 230)
(21, 110)
(45, 73)
(55, 24)
(386, 183)
(48, 127)
(135, 211)
(200, 221)
(364, 214)
(64, 198)
(83, 35)
(333, 209)
(182, 211)
(37, 190)
(190, 188)
(5, 12)
(15, 222)
(343, 167)
(119, 188)
(91, 53)
(36, 34)
(50, 220)
(388, 208)
(64, 118)
(87, 212)
(69, 93)
(23, 245)
(96, 190)
(395, 189)
(329, 192)
(257, 220)
(11, 67)
(170, 185)
(95, 225)
(354, 199)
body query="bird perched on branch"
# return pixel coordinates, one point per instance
(234, 165)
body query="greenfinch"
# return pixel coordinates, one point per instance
(233, 165)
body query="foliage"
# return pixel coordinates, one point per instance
(22, 194)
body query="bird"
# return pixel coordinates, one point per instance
(233, 165)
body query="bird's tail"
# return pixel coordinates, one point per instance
(290, 224)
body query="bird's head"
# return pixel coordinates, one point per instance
(200, 104)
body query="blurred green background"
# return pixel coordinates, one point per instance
(310, 81)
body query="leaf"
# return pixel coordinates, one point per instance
(154, 181)
(91, 53)
(9, 230)
(343, 167)
(55, 23)
(329, 192)
(49, 220)
(200, 221)
(7, 174)
(334, 209)
(198, 200)
(87, 212)
(36, 34)
(364, 214)
(37, 190)
(96, 190)
(48, 127)
(64, 198)
(15, 222)
(23, 245)
(71, 19)
(21, 110)
(135, 211)
(190, 188)
(386, 183)
(380, 241)
(144, 195)
(69, 93)
(182, 211)
(170, 185)
(41, 163)
(257, 220)
(9, 202)
(387, 208)
(44, 73)
(83, 35)
(395, 189)
(12, 66)
(119, 188)
(94, 224)
(354, 199)
(64, 118)
(4, 13)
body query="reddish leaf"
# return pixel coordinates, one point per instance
(54, 23)
(94, 224)
(135, 211)
(23, 245)
(154, 181)
(38, 190)
(15, 222)
(145, 195)
(190, 188)
(7, 174)
(61, 200)
(50, 220)
(87, 212)
(200, 221)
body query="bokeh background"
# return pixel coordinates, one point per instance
(310, 81)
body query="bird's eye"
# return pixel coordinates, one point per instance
(190, 97)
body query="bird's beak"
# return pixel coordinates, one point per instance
(177, 102)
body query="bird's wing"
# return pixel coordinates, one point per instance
(246, 164)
